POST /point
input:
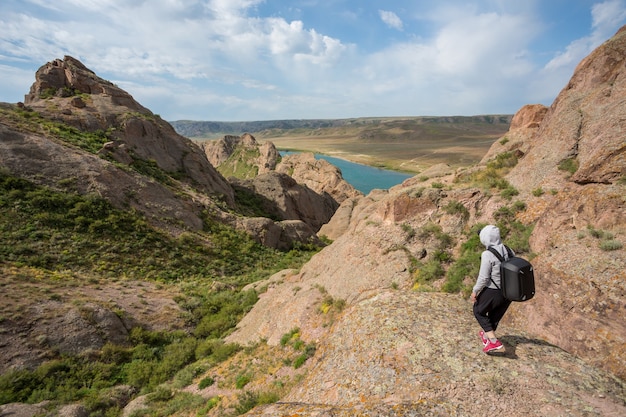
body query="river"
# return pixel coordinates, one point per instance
(362, 177)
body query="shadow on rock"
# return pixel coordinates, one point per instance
(511, 342)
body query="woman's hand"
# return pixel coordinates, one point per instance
(473, 297)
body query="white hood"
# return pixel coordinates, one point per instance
(490, 236)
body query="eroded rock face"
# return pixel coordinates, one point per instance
(67, 91)
(295, 187)
(68, 77)
(317, 174)
(580, 301)
(283, 198)
(264, 158)
(581, 287)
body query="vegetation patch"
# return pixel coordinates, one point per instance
(569, 165)
(607, 239)
(31, 121)
(492, 176)
(241, 163)
(305, 350)
(44, 233)
(426, 272)
(455, 207)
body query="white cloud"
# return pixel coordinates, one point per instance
(202, 56)
(391, 19)
(608, 14)
(606, 19)
(14, 80)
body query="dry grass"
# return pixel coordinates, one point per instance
(400, 144)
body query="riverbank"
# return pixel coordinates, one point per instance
(403, 144)
(363, 177)
(397, 150)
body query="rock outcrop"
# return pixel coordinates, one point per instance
(138, 136)
(283, 198)
(577, 157)
(319, 175)
(414, 354)
(170, 178)
(580, 301)
(243, 157)
(234, 149)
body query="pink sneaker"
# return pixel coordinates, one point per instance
(483, 338)
(492, 346)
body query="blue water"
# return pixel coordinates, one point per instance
(363, 177)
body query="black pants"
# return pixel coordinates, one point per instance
(489, 308)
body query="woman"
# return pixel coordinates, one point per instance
(489, 303)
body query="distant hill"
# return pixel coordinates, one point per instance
(213, 130)
(410, 144)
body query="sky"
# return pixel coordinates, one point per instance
(250, 60)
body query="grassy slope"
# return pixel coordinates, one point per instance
(52, 241)
(49, 236)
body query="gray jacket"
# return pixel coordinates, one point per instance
(489, 263)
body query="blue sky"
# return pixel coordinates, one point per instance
(234, 60)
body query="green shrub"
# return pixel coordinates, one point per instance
(467, 264)
(299, 361)
(538, 192)
(456, 207)
(180, 403)
(185, 376)
(206, 382)
(410, 232)
(309, 352)
(569, 165)
(248, 400)
(503, 160)
(210, 404)
(47, 93)
(242, 380)
(434, 230)
(610, 245)
(293, 334)
(160, 394)
(509, 192)
(429, 271)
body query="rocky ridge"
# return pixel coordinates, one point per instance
(386, 350)
(293, 187)
(580, 302)
(68, 93)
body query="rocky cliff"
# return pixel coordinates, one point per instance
(389, 340)
(292, 187)
(565, 167)
(134, 158)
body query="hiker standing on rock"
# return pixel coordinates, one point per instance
(489, 303)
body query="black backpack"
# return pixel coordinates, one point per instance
(517, 278)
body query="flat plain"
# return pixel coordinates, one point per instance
(408, 144)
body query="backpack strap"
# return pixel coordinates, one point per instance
(500, 258)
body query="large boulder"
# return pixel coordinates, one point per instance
(572, 174)
(242, 150)
(281, 197)
(68, 92)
